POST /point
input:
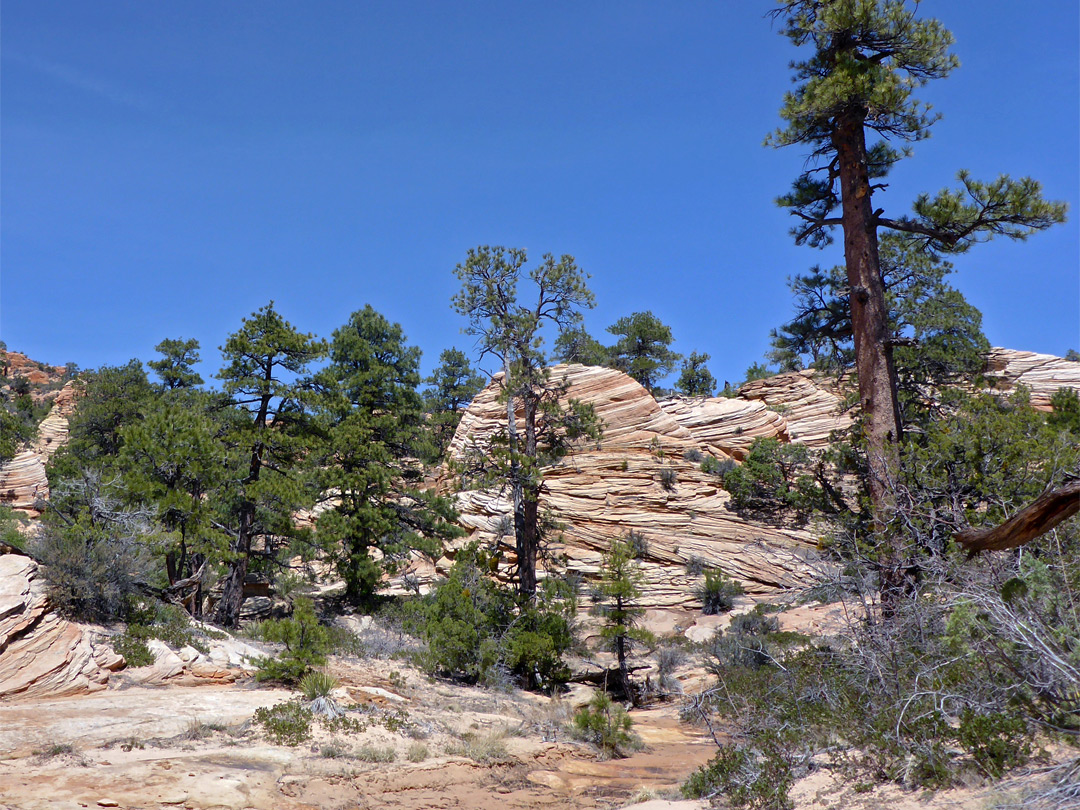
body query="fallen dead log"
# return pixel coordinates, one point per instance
(1034, 520)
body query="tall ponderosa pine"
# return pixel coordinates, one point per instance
(266, 361)
(374, 425)
(643, 348)
(936, 334)
(509, 330)
(869, 56)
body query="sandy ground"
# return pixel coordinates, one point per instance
(194, 747)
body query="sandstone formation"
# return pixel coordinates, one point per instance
(1044, 374)
(632, 418)
(22, 479)
(644, 476)
(730, 425)
(42, 655)
(809, 402)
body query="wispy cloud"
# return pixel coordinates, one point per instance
(81, 80)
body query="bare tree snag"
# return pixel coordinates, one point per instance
(1034, 520)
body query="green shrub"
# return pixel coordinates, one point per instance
(317, 685)
(167, 623)
(417, 752)
(134, 650)
(997, 741)
(776, 476)
(374, 753)
(306, 644)
(286, 723)
(476, 631)
(668, 478)
(757, 778)
(606, 725)
(95, 550)
(718, 593)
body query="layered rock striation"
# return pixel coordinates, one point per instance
(1043, 374)
(23, 480)
(645, 477)
(41, 654)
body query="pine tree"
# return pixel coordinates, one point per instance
(617, 603)
(266, 360)
(869, 57)
(510, 330)
(643, 349)
(451, 387)
(373, 417)
(695, 379)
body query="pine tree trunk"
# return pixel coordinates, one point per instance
(873, 353)
(227, 613)
(529, 539)
(517, 495)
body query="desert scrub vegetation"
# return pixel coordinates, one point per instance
(607, 725)
(717, 593)
(963, 680)
(306, 644)
(480, 633)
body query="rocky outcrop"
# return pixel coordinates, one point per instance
(645, 476)
(727, 424)
(632, 418)
(44, 655)
(809, 402)
(22, 479)
(41, 654)
(1043, 374)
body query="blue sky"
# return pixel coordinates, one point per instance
(169, 167)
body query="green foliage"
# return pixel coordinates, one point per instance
(96, 551)
(668, 478)
(575, 345)
(475, 630)
(306, 644)
(271, 429)
(775, 476)
(111, 398)
(643, 349)
(957, 680)
(695, 380)
(978, 464)
(718, 593)
(998, 742)
(153, 620)
(616, 602)
(1066, 414)
(511, 331)
(134, 649)
(286, 723)
(606, 725)
(937, 334)
(757, 777)
(317, 684)
(451, 387)
(374, 426)
(176, 366)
